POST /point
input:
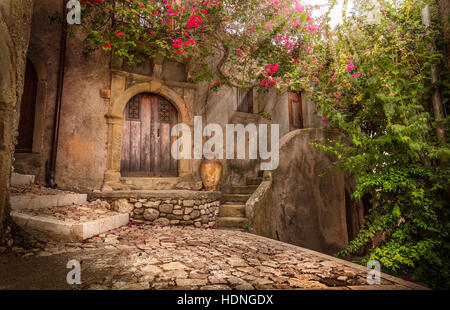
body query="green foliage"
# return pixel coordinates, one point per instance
(392, 150)
(266, 115)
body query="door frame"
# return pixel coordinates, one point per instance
(121, 93)
(154, 166)
(299, 110)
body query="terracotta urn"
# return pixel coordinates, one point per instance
(210, 172)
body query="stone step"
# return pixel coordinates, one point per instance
(147, 183)
(230, 198)
(21, 179)
(233, 222)
(254, 181)
(33, 201)
(45, 228)
(232, 211)
(249, 189)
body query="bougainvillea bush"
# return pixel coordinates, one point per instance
(370, 78)
(254, 41)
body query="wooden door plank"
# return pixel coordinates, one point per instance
(300, 108)
(125, 160)
(155, 150)
(173, 122)
(135, 146)
(145, 133)
(165, 148)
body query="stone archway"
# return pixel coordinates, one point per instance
(120, 95)
(32, 162)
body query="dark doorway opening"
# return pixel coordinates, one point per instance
(27, 110)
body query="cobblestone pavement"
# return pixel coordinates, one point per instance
(153, 257)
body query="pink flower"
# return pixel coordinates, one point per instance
(194, 21)
(268, 26)
(239, 51)
(324, 118)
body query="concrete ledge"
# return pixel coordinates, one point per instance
(21, 179)
(49, 228)
(31, 201)
(160, 194)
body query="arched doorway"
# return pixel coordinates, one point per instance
(27, 110)
(146, 141)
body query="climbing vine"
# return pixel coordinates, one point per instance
(373, 83)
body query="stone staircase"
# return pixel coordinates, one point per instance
(55, 214)
(232, 210)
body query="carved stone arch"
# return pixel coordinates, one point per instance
(154, 87)
(33, 163)
(114, 119)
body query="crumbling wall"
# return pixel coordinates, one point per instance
(15, 20)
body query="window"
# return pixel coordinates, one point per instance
(295, 111)
(134, 109)
(164, 111)
(245, 100)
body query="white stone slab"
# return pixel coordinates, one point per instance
(21, 179)
(31, 201)
(60, 230)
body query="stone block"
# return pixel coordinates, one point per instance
(188, 203)
(166, 208)
(151, 214)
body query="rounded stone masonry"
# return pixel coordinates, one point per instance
(165, 207)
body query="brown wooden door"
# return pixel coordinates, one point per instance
(245, 100)
(27, 110)
(295, 111)
(146, 140)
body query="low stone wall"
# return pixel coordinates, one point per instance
(165, 207)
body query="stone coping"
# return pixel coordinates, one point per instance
(161, 194)
(362, 269)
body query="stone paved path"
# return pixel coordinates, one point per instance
(151, 257)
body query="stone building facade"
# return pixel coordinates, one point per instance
(90, 135)
(97, 101)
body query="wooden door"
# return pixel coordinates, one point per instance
(245, 100)
(295, 111)
(27, 110)
(146, 140)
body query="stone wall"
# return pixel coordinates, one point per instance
(15, 20)
(185, 208)
(298, 206)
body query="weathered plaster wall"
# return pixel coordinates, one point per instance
(301, 207)
(81, 156)
(276, 104)
(15, 21)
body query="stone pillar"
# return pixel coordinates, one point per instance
(115, 123)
